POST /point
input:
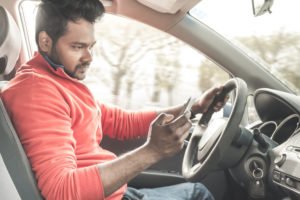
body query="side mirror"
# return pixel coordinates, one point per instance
(260, 7)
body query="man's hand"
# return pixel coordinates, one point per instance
(166, 136)
(203, 103)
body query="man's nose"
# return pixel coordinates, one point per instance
(87, 56)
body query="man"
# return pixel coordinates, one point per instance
(60, 125)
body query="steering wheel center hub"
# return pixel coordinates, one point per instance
(210, 137)
(212, 132)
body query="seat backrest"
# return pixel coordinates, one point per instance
(17, 179)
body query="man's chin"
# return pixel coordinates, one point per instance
(80, 74)
(80, 77)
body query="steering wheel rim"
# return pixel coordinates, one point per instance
(213, 142)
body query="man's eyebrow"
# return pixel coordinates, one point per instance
(83, 43)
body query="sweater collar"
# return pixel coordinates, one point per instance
(51, 63)
(46, 63)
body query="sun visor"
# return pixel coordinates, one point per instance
(165, 6)
(106, 3)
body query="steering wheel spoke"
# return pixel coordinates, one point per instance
(196, 167)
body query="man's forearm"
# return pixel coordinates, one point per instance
(118, 172)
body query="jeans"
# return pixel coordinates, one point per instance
(183, 191)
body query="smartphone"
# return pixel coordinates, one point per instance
(187, 106)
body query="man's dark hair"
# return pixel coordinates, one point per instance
(53, 15)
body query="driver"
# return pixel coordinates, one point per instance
(61, 125)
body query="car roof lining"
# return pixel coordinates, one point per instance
(142, 13)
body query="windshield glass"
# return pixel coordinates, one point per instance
(274, 38)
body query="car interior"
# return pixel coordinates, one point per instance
(234, 158)
(15, 168)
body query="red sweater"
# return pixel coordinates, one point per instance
(60, 126)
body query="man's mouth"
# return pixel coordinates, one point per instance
(83, 68)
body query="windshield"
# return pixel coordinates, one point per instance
(274, 38)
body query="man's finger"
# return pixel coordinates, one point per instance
(216, 90)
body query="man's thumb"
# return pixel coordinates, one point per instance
(163, 118)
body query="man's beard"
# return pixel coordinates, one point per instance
(78, 67)
(53, 56)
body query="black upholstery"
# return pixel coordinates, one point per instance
(17, 179)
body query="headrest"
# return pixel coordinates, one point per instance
(10, 42)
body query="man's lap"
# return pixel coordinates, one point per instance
(184, 191)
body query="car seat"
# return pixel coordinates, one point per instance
(17, 179)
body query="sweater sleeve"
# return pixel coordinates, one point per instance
(121, 124)
(42, 120)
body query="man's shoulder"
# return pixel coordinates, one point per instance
(36, 71)
(28, 78)
(28, 85)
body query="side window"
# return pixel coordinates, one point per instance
(137, 66)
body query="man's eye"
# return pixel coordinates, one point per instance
(77, 47)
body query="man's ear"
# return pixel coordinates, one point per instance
(45, 42)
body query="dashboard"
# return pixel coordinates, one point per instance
(280, 115)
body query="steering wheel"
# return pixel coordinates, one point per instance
(212, 143)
